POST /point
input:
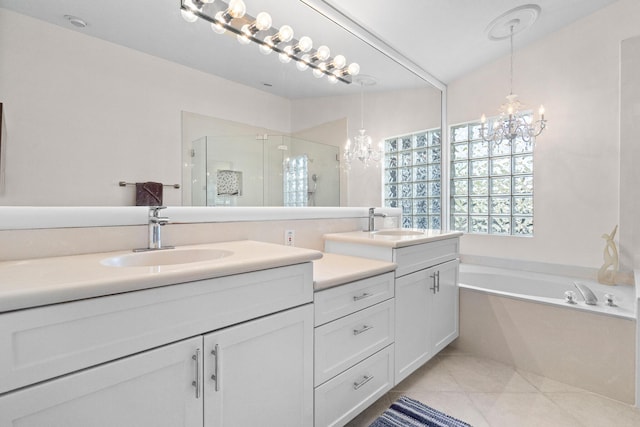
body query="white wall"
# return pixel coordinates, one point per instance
(575, 73)
(82, 114)
(630, 154)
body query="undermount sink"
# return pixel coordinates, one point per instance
(399, 233)
(165, 257)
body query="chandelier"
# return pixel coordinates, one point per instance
(233, 17)
(512, 123)
(362, 147)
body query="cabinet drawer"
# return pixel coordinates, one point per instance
(45, 342)
(418, 257)
(339, 400)
(344, 342)
(340, 301)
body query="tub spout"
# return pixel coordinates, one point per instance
(587, 294)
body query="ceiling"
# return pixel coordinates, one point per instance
(445, 38)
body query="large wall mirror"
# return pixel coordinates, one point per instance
(129, 91)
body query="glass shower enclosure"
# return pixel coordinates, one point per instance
(264, 170)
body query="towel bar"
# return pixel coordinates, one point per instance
(124, 184)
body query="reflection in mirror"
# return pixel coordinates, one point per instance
(262, 170)
(110, 107)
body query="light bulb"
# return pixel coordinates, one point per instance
(483, 119)
(285, 34)
(332, 79)
(237, 8)
(303, 63)
(285, 57)
(319, 72)
(323, 53)
(353, 69)
(244, 37)
(265, 49)
(339, 61)
(188, 16)
(217, 26)
(263, 21)
(305, 44)
(541, 111)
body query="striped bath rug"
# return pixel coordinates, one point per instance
(406, 412)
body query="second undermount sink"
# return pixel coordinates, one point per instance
(165, 257)
(405, 232)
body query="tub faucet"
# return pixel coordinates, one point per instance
(587, 294)
(155, 224)
(372, 218)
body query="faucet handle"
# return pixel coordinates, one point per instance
(609, 300)
(570, 297)
(153, 210)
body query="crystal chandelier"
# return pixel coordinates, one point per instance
(512, 123)
(362, 147)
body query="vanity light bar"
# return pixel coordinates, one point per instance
(232, 17)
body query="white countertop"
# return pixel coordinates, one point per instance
(42, 281)
(334, 270)
(378, 238)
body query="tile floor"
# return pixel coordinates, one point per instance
(485, 393)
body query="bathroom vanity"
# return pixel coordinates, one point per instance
(354, 335)
(426, 287)
(93, 340)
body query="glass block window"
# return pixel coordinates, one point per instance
(412, 178)
(295, 184)
(491, 184)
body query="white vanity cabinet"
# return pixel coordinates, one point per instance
(426, 289)
(426, 315)
(153, 388)
(260, 373)
(354, 338)
(230, 351)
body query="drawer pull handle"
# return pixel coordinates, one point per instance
(436, 286)
(365, 379)
(363, 296)
(364, 328)
(216, 353)
(196, 383)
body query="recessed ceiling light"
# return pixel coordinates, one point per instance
(75, 21)
(267, 84)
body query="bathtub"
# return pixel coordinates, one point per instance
(522, 319)
(547, 289)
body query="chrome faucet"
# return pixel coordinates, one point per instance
(155, 224)
(372, 217)
(587, 294)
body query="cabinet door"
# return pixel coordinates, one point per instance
(413, 340)
(154, 388)
(261, 372)
(444, 309)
